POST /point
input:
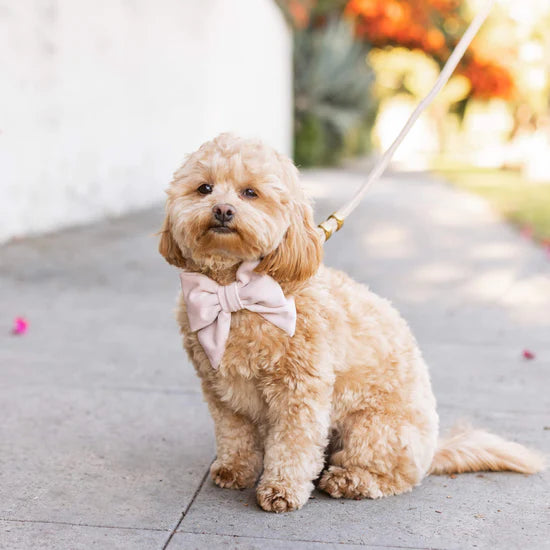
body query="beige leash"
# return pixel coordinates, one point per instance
(336, 220)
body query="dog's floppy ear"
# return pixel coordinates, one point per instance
(299, 255)
(168, 246)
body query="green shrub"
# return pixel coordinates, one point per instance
(333, 105)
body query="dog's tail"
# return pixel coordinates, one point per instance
(470, 450)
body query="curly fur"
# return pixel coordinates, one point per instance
(350, 388)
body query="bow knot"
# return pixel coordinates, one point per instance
(228, 295)
(209, 306)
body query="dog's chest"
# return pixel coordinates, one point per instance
(254, 345)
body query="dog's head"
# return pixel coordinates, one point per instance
(235, 200)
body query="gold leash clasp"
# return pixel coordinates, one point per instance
(327, 229)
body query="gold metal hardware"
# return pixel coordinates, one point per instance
(327, 229)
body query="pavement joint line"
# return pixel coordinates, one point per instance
(166, 391)
(492, 411)
(315, 541)
(188, 507)
(163, 391)
(52, 522)
(451, 345)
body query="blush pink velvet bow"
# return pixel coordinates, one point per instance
(209, 306)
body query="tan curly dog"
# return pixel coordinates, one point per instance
(348, 396)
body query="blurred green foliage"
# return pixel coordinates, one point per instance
(502, 86)
(334, 108)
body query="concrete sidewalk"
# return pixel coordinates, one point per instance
(105, 441)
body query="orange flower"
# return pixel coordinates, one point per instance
(367, 8)
(434, 40)
(299, 13)
(431, 25)
(401, 22)
(488, 79)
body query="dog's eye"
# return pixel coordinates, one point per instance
(205, 189)
(249, 193)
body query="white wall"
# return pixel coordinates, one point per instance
(100, 101)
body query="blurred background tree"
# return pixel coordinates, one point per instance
(361, 66)
(333, 107)
(502, 82)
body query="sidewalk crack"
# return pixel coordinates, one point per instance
(188, 507)
(315, 541)
(71, 524)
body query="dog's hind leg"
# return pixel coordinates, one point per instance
(380, 455)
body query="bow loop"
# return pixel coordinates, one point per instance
(209, 306)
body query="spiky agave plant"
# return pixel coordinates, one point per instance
(331, 91)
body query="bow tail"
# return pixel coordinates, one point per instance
(213, 338)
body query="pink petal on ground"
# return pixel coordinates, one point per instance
(527, 232)
(20, 325)
(527, 354)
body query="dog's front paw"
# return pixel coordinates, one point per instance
(279, 497)
(233, 476)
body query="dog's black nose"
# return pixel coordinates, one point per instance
(224, 212)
